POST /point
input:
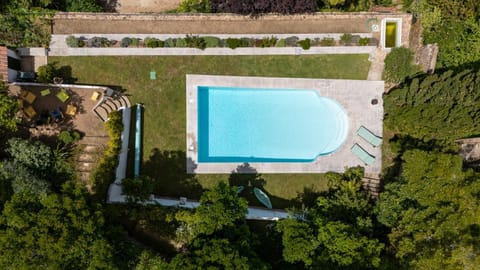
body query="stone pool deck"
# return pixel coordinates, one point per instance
(355, 96)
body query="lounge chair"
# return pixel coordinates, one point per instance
(362, 154)
(368, 136)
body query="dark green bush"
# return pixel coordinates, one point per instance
(346, 39)
(137, 189)
(268, 42)
(327, 42)
(46, 73)
(305, 44)
(68, 137)
(363, 41)
(72, 42)
(233, 43)
(152, 42)
(195, 42)
(126, 41)
(399, 65)
(212, 42)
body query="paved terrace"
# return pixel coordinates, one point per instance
(108, 23)
(355, 96)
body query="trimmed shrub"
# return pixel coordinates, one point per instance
(68, 137)
(291, 41)
(72, 42)
(399, 64)
(137, 189)
(46, 73)
(211, 42)
(346, 39)
(305, 44)
(195, 42)
(234, 43)
(281, 43)
(248, 42)
(126, 41)
(152, 42)
(98, 42)
(104, 174)
(268, 42)
(135, 42)
(327, 42)
(169, 42)
(180, 43)
(363, 41)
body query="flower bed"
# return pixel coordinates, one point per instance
(203, 42)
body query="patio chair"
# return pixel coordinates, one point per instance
(28, 96)
(30, 112)
(71, 110)
(363, 155)
(95, 96)
(45, 92)
(63, 96)
(368, 136)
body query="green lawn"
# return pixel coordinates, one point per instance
(164, 100)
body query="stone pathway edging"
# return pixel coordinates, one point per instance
(210, 51)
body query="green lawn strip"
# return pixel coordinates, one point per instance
(164, 100)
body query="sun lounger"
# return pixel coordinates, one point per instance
(368, 136)
(362, 154)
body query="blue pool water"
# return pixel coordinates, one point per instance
(267, 125)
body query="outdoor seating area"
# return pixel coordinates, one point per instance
(43, 106)
(48, 109)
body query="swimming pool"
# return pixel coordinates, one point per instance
(267, 124)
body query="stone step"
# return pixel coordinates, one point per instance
(86, 166)
(126, 101)
(102, 113)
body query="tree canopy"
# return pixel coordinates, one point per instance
(54, 231)
(340, 231)
(432, 211)
(442, 107)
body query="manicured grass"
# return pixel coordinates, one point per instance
(164, 100)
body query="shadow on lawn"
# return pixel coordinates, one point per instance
(169, 170)
(248, 177)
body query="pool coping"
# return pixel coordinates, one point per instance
(354, 96)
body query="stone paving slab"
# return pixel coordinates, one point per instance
(355, 96)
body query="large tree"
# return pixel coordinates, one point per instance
(216, 235)
(441, 107)
(55, 231)
(338, 232)
(432, 211)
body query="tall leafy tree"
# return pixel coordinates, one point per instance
(433, 212)
(216, 234)
(55, 231)
(443, 106)
(339, 232)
